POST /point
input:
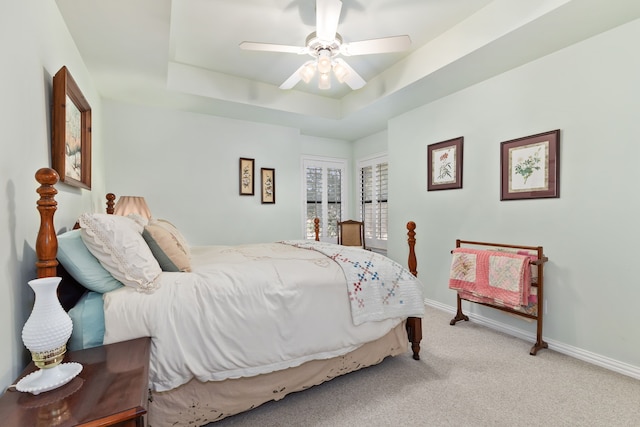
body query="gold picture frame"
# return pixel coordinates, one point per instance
(71, 132)
(268, 185)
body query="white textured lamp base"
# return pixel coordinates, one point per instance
(48, 379)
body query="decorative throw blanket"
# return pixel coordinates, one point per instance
(500, 277)
(379, 288)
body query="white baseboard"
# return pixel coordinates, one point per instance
(578, 353)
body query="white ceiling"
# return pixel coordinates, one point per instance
(184, 54)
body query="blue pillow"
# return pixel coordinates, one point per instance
(82, 265)
(88, 322)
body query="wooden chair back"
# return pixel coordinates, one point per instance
(351, 233)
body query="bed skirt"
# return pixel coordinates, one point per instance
(196, 403)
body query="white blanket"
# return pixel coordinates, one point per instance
(243, 311)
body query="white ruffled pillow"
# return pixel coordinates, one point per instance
(116, 241)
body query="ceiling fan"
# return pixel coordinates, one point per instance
(325, 44)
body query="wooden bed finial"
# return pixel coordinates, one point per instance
(110, 203)
(413, 263)
(47, 242)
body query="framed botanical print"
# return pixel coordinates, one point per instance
(530, 167)
(247, 169)
(444, 165)
(268, 185)
(71, 132)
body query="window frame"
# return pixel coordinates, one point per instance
(325, 163)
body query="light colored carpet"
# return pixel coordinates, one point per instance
(469, 375)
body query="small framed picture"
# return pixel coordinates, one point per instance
(444, 165)
(530, 167)
(268, 185)
(247, 170)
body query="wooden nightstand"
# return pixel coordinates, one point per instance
(112, 389)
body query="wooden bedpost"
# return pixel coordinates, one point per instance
(316, 228)
(110, 203)
(414, 324)
(47, 242)
(412, 263)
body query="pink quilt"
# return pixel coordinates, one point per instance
(502, 277)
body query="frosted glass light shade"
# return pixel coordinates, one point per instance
(324, 61)
(340, 72)
(132, 205)
(324, 81)
(307, 72)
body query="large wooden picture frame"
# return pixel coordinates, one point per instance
(444, 165)
(530, 167)
(71, 132)
(247, 171)
(268, 185)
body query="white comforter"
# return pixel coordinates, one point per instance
(243, 311)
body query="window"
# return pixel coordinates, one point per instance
(325, 195)
(374, 190)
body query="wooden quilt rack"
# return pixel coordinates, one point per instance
(539, 284)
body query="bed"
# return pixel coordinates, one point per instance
(232, 327)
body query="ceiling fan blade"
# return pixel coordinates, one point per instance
(269, 47)
(327, 17)
(353, 79)
(383, 45)
(295, 77)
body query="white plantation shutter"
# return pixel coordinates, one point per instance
(366, 200)
(325, 196)
(334, 200)
(382, 188)
(313, 199)
(374, 187)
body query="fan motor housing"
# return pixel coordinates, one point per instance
(315, 44)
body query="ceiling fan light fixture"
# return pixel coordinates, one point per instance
(325, 45)
(324, 81)
(340, 72)
(324, 61)
(307, 72)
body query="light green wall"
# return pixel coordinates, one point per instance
(370, 145)
(35, 45)
(186, 167)
(590, 92)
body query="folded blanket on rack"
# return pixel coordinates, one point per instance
(531, 308)
(502, 277)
